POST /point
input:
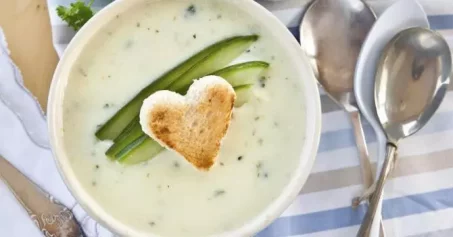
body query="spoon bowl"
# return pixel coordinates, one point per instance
(332, 34)
(412, 79)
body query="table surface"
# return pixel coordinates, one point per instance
(27, 28)
(418, 201)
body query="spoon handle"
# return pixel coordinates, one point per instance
(365, 165)
(51, 217)
(365, 228)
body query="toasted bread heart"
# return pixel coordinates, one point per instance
(192, 125)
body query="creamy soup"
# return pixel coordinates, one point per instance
(166, 195)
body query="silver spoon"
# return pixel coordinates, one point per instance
(390, 23)
(331, 34)
(51, 217)
(411, 82)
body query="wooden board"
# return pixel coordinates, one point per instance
(27, 28)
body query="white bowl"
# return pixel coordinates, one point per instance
(312, 121)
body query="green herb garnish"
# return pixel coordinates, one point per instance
(77, 14)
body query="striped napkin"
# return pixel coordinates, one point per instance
(418, 199)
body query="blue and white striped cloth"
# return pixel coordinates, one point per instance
(419, 197)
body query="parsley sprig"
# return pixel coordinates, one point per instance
(77, 14)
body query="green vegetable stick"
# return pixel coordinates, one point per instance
(236, 75)
(231, 47)
(134, 132)
(145, 149)
(243, 94)
(245, 72)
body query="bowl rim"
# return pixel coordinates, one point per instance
(312, 123)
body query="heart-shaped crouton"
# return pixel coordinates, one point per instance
(192, 125)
